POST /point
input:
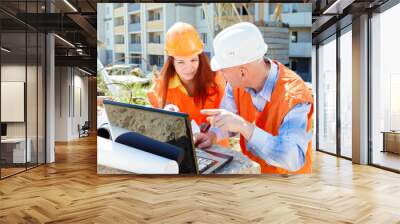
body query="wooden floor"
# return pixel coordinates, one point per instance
(70, 191)
(10, 171)
(387, 159)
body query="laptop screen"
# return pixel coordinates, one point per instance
(165, 126)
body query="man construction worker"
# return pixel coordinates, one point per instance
(266, 102)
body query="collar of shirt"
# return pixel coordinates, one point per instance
(260, 99)
(175, 82)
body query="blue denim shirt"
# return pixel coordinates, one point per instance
(286, 150)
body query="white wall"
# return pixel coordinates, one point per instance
(80, 83)
(70, 83)
(61, 103)
(299, 19)
(14, 73)
(168, 16)
(203, 25)
(185, 14)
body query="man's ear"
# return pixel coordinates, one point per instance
(243, 72)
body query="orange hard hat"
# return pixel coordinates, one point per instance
(183, 40)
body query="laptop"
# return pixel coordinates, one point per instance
(165, 126)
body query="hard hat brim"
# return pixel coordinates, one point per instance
(174, 53)
(214, 64)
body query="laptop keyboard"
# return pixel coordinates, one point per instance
(203, 162)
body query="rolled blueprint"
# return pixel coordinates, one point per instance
(115, 155)
(150, 145)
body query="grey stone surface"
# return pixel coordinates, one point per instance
(240, 163)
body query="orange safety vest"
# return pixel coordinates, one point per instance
(178, 96)
(289, 91)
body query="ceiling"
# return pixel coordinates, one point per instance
(328, 15)
(72, 20)
(75, 21)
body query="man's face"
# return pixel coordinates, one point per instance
(234, 76)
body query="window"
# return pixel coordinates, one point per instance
(119, 21)
(135, 38)
(119, 58)
(119, 39)
(293, 37)
(155, 38)
(303, 68)
(157, 60)
(22, 71)
(135, 18)
(294, 65)
(327, 96)
(204, 37)
(154, 15)
(385, 88)
(135, 59)
(346, 94)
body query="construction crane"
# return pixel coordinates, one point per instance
(226, 14)
(273, 30)
(277, 16)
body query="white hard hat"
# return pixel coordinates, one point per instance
(238, 45)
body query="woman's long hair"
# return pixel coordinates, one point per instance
(204, 82)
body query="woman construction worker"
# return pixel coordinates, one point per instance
(186, 82)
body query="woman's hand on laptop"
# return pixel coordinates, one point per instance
(171, 107)
(204, 140)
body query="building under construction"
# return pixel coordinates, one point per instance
(134, 33)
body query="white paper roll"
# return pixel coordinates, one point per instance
(126, 158)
